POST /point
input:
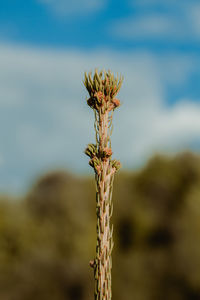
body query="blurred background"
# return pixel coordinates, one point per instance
(47, 191)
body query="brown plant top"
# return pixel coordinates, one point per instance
(103, 88)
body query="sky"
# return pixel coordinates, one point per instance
(45, 48)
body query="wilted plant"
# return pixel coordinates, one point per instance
(103, 88)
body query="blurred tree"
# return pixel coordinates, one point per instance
(47, 238)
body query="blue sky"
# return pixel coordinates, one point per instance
(45, 47)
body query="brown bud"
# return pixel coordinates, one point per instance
(91, 102)
(99, 95)
(111, 107)
(116, 102)
(108, 151)
(92, 263)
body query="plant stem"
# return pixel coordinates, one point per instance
(102, 91)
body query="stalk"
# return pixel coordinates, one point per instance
(102, 89)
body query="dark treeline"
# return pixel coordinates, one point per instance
(48, 238)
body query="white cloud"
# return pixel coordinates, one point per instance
(75, 7)
(160, 20)
(160, 3)
(148, 26)
(45, 122)
(194, 15)
(172, 129)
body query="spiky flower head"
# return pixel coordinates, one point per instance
(91, 150)
(102, 88)
(116, 164)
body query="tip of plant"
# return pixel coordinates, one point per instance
(102, 87)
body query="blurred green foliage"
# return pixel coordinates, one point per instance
(48, 237)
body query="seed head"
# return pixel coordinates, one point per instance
(102, 88)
